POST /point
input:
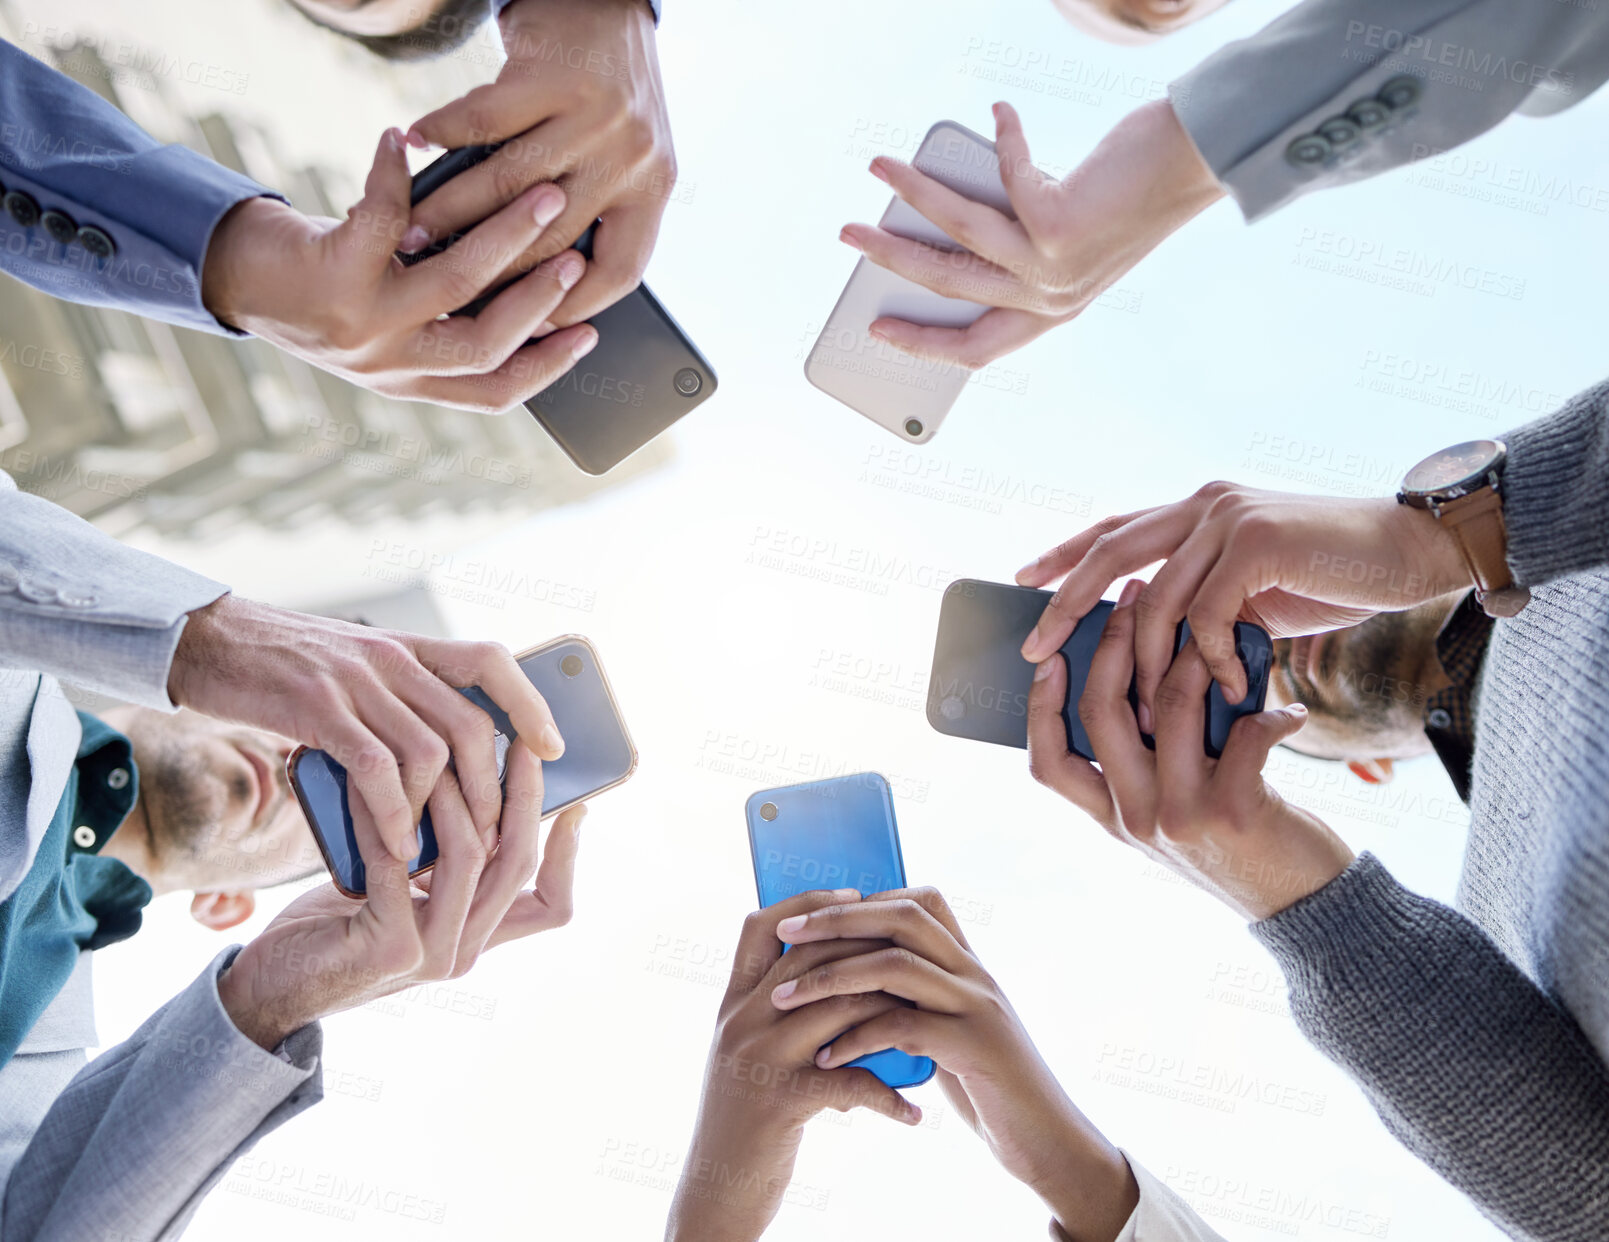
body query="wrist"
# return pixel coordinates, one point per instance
(193, 655)
(1094, 1197)
(1178, 184)
(1437, 565)
(263, 1024)
(240, 254)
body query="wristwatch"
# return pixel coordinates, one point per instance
(1462, 488)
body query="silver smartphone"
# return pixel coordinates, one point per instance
(906, 395)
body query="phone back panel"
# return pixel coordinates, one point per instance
(598, 754)
(837, 833)
(643, 374)
(888, 386)
(980, 682)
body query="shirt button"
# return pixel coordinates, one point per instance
(1368, 115)
(38, 592)
(77, 599)
(117, 778)
(61, 226)
(97, 241)
(83, 836)
(1339, 131)
(22, 207)
(1439, 718)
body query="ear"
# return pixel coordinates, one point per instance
(1371, 771)
(221, 911)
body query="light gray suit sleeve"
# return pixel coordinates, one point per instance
(1338, 90)
(144, 1131)
(77, 604)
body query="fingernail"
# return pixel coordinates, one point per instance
(790, 925)
(551, 741)
(414, 240)
(393, 139)
(543, 328)
(1028, 568)
(1030, 648)
(878, 170)
(784, 990)
(877, 334)
(1131, 592)
(824, 1057)
(416, 139)
(1042, 670)
(1299, 710)
(584, 343)
(547, 205)
(1146, 724)
(913, 1112)
(570, 272)
(406, 850)
(848, 238)
(846, 893)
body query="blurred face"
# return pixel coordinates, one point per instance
(1134, 21)
(218, 807)
(1364, 687)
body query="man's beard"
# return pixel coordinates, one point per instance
(181, 814)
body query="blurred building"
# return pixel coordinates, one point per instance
(135, 424)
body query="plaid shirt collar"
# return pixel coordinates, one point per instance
(1449, 715)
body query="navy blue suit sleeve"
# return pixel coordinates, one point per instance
(72, 152)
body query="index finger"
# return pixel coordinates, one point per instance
(905, 922)
(758, 948)
(1126, 547)
(517, 853)
(491, 667)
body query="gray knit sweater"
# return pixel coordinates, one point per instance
(1481, 1034)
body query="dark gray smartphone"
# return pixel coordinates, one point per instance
(980, 682)
(598, 755)
(643, 375)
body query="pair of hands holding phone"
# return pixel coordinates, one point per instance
(1293, 564)
(894, 970)
(585, 137)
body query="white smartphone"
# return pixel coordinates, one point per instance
(906, 395)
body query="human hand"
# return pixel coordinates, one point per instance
(762, 1084)
(988, 1066)
(335, 294)
(1292, 564)
(1071, 241)
(579, 103)
(326, 953)
(1213, 821)
(382, 703)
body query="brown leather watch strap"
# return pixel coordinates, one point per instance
(1476, 523)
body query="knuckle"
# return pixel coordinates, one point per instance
(1171, 697)
(1217, 490)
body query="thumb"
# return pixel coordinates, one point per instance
(378, 225)
(1251, 739)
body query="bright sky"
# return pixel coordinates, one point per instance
(766, 607)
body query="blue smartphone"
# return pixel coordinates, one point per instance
(598, 755)
(980, 682)
(836, 833)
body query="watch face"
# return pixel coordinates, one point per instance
(1458, 464)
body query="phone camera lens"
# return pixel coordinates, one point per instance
(571, 666)
(768, 810)
(688, 382)
(913, 427)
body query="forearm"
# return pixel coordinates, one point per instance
(1465, 1060)
(143, 1132)
(77, 604)
(1319, 70)
(151, 207)
(1556, 491)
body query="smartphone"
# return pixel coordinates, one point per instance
(836, 833)
(980, 682)
(598, 755)
(643, 374)
(905, 395)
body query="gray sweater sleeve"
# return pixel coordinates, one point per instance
(1467, 1062)
(1556, 491)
